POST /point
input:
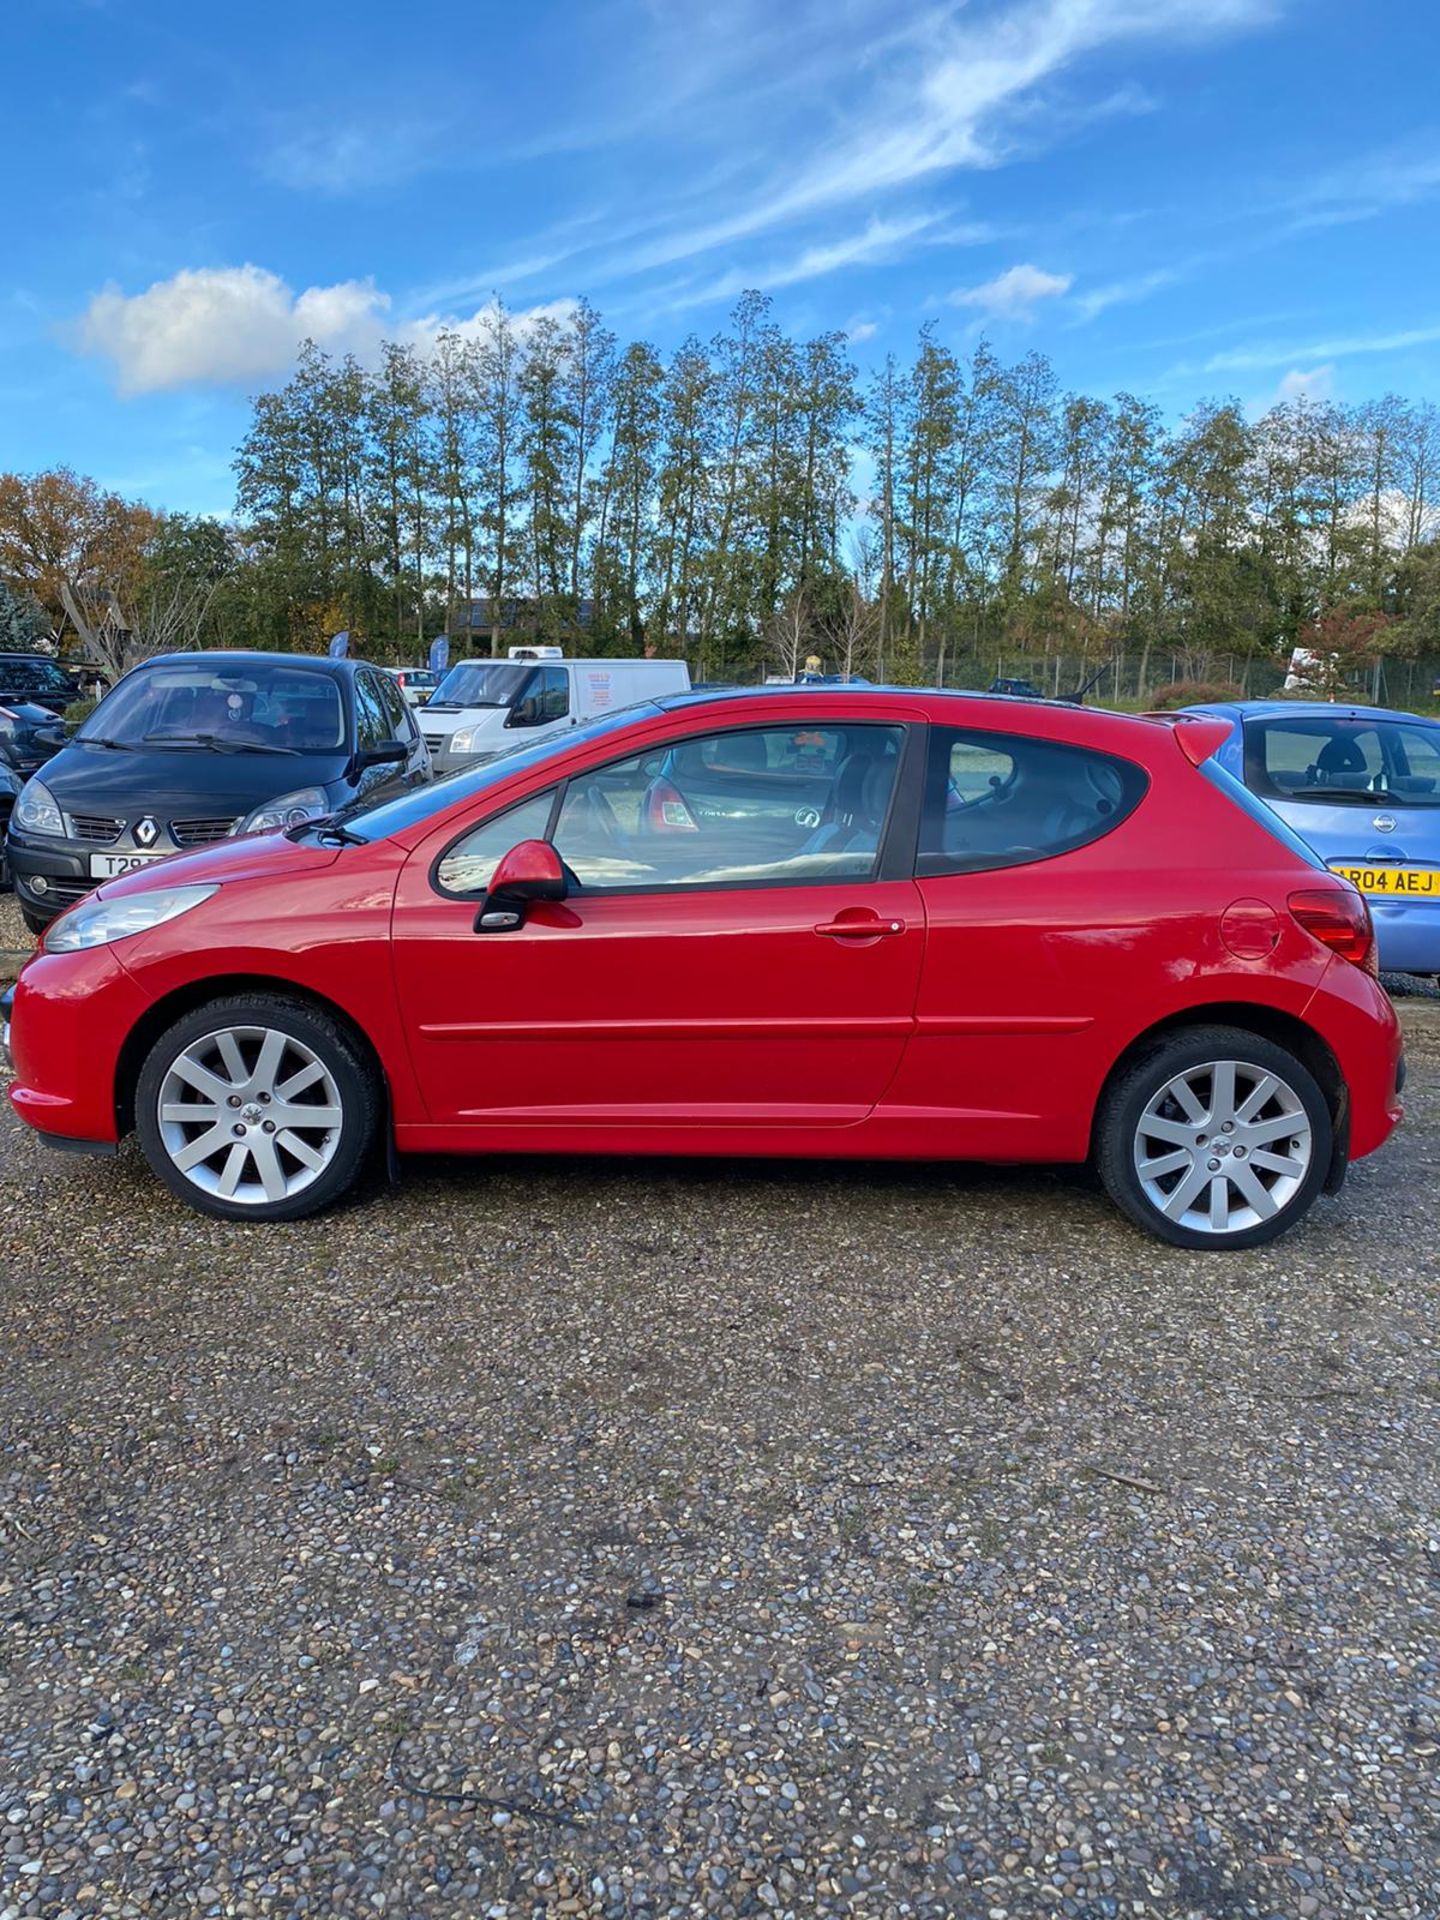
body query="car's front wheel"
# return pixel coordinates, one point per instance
(1214, 1138)
(257, 1108)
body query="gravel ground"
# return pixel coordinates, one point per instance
(642, 1539)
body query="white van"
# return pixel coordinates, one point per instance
(484, 707)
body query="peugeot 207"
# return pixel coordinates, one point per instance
(809, 922)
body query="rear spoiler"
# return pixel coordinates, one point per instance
(1198, 735)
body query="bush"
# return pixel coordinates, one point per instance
(1194, 693)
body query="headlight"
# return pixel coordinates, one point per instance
(97, 922)
(36, 811)
(290, 810)
(463, 739)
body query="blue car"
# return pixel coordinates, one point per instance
(1362, 785)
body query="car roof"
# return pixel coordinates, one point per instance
(947, 705)
(253, 657)
(1341, 709)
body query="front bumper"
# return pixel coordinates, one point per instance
(48, 875)
(443, 759)
(68, 1019)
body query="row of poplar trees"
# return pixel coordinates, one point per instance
(750, 499)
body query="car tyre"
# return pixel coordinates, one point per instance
(258, 1107)
(35, 923)
(1209, 1108)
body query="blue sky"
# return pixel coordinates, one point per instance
(1185, 198)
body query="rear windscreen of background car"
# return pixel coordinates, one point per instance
(1335, 758)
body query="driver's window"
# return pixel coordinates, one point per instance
(467, 866)
(748, 806)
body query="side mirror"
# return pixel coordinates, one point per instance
(388, 753)
(525, 713)
(529, 872)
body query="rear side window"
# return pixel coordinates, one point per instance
(397, 714)
(1006, 800)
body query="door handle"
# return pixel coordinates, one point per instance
(872, 929)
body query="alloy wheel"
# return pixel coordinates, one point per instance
(1223, 1146)
(250, 1115)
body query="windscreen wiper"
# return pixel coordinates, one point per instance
(100, 740)
(328, 828)
(215, 741)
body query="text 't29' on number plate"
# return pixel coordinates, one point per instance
(109, 866)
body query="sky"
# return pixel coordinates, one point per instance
(1185, 199)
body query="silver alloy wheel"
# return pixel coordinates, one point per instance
(250, 1114)
(1222, 1147)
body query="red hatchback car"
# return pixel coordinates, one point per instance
(825, 922)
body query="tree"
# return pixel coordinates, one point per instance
(1343, 644)
(61, 534)
(625, 535)
(23, 625)
(547, 450)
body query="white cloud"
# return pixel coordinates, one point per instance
(1014, 294)
(213, 325)
(1398, 177)
(859, 330)
(945, 95)
(879, 240)
(1316, 384)
(218, 326)
(1262, 356)
(1120, 293)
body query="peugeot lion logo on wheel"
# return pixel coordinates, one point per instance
(145, 832)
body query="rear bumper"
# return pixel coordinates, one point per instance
(1407, 934)
(1352, 1013)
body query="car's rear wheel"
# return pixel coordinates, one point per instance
(257, 1108)
(1214, 1138)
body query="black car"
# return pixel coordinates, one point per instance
(191, 747)
(37, 679)
(29, 736)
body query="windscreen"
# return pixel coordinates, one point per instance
(1343, 759)
(33, 673)
(482, 683)
(375, 821)
(257, 707)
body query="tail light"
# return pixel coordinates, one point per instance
(1340, 920)
(666, 811)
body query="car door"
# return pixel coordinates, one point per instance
(700, 974)
(372, 729)
(401, 726)
(1036, 915)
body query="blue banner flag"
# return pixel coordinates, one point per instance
(340, 646)
(439, 654)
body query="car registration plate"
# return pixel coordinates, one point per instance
(1395, 883)
(109, 866)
